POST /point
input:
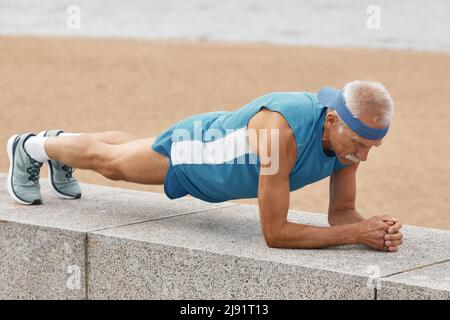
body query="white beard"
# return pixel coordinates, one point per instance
(352, 158)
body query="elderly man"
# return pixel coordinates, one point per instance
(275, 144)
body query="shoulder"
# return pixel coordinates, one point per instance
(291, 110)
(277, 134)
(269, 119)
(294, 98)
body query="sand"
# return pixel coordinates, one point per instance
(141, 87)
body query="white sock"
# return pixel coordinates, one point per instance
(68, 134)
(34, 146)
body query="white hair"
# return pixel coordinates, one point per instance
(371, 99)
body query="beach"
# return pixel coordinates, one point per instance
(143, 86)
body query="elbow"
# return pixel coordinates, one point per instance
(273, 244)
(279, 235)
(269, 242)
(273, 240)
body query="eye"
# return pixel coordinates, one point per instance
(360, 144)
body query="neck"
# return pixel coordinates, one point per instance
(326, 145)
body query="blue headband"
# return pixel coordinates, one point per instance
(333, 98)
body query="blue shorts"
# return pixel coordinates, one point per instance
(172, 187)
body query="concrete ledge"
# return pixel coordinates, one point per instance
(115, 244)
(41, 263)
(44, 248)
(430, 282)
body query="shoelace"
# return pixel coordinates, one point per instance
(68, 170)
(33, 170)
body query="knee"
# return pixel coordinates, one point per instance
(106, 162)
(111, 171)
(110, 168)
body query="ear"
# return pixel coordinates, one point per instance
(331, 119)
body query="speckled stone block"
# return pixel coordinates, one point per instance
(41, 263)
(127, 269)
(430, 282)
(99, 208)
(116, 243)
(221, 254)
(43, 248)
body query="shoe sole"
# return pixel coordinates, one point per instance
(53, 188)
(10, 173)
(50, 174)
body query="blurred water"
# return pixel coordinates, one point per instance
(412, 24)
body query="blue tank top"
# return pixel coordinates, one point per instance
(210, 158)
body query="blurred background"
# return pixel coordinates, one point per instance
(139, 66)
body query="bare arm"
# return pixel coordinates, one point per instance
(279, 233)
(341, 209)
(273, 196)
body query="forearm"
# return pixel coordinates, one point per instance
(344, 217)
(294, 235)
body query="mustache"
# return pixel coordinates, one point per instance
(352, 158)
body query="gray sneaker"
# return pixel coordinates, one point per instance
(24, 172)
(60, 175)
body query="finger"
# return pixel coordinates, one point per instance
(395, 243)
(384, 217)
(393, 236)
(395, 228)
(385, 227)
(392, 249)
(390, 219)
(381, 246)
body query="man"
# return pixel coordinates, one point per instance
(277, 143)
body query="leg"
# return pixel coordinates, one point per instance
(112, 137)
(133, 161)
